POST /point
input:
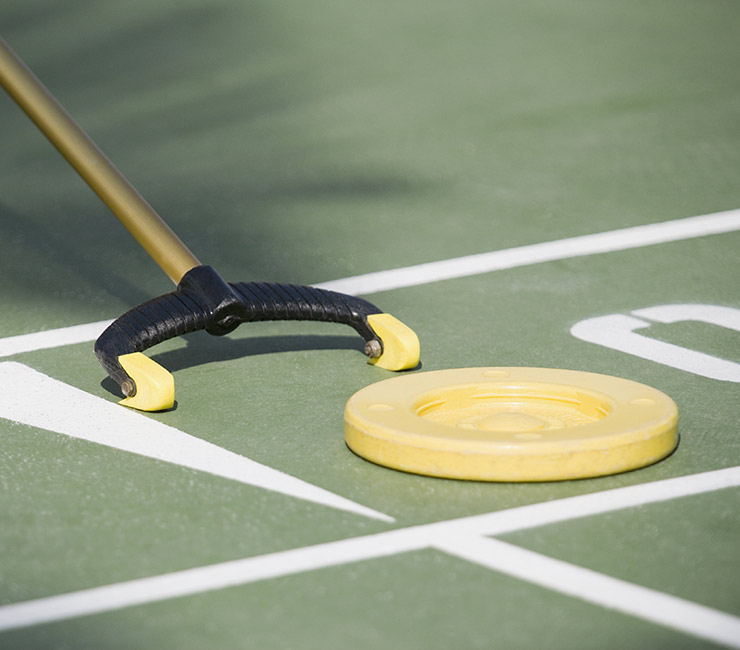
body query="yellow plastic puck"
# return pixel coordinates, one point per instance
(511, 424)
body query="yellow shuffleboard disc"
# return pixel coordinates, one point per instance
(511, 424)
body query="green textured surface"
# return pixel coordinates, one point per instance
(421, 600)
(304, 142)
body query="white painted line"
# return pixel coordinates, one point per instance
(596, 503)
(52, 338)
(245, 571)
(207, 578)
(617, 332)
(603, 242)
(593, 587)
(727, 317)
(35, 399)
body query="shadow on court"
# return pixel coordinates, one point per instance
(201, 350)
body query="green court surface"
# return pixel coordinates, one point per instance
(341, 144)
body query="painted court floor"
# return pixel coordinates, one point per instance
(524, 184)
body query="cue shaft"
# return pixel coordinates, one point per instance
(139, 218)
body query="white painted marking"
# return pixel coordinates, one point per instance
(52, 338)
(604, 242)
(37, 400)
(616, 331)
(596, 503)
(727, 317)
(203, 579)
(585, 584)
(245, 571)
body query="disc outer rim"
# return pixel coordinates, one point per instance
(424, 449)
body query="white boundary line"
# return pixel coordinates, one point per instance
(55, 338)
(35, 399)
(597, 588)
(285, 563)
(603, 242)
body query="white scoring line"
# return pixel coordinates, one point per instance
(603, 242)
(285, 563)
(34, 399)
(55, 338)
(593, 587)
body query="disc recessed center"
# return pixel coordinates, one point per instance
(510, 422)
